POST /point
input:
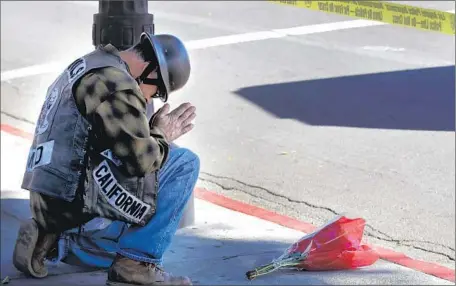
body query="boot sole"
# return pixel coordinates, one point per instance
(25, 245)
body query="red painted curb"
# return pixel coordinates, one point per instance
(251, 210)
(215, 198)
(15, 131)
(385, 254)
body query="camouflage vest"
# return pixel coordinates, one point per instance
(62, 164)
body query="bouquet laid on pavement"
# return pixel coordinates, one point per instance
(335, 246)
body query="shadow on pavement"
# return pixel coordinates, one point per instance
(420, 99)
(207, 260)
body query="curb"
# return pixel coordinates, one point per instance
(389, 255)
(429, 268)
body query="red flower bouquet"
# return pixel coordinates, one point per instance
(335, 246)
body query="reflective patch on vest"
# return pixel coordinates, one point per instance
(40, 156)
(119, 198)
(76, 68)
(43, 122)
(113, 158)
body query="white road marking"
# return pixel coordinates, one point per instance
(31, 70)
(278, 33)
(383, 49)
(54, 67)
(232, 39)
(89, 3)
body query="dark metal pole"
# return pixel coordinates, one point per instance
(120, 23)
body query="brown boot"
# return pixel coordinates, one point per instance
(32, 245)
(125, 271)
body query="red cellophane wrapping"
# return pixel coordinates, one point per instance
(336, 245)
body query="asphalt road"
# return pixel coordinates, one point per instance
(357, 121)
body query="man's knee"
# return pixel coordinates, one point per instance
(189, 157)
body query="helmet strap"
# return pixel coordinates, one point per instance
(151, 81)
(143, 77)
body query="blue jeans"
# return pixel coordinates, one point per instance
(101, 239)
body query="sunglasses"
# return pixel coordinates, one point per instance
(143, 79)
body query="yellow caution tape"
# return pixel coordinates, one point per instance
(386, 12)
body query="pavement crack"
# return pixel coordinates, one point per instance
(18, 117)
(432, 251)
(378, 231)
(247, 254)
(370, 230)
(404, 243)
(261, 188)
(12, 216)
(427, 242)
(229, 257)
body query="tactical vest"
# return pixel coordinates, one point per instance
(63, 164)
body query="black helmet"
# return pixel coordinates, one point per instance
(168, 54)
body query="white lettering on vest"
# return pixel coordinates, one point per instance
(119, 198)
(43, 122)
(40, 156)
(76, 69)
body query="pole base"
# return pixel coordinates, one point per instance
(121, 23)
(120, 31)
(188, 218)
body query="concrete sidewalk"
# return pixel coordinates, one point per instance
(219, 249)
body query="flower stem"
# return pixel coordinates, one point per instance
(268, 268)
